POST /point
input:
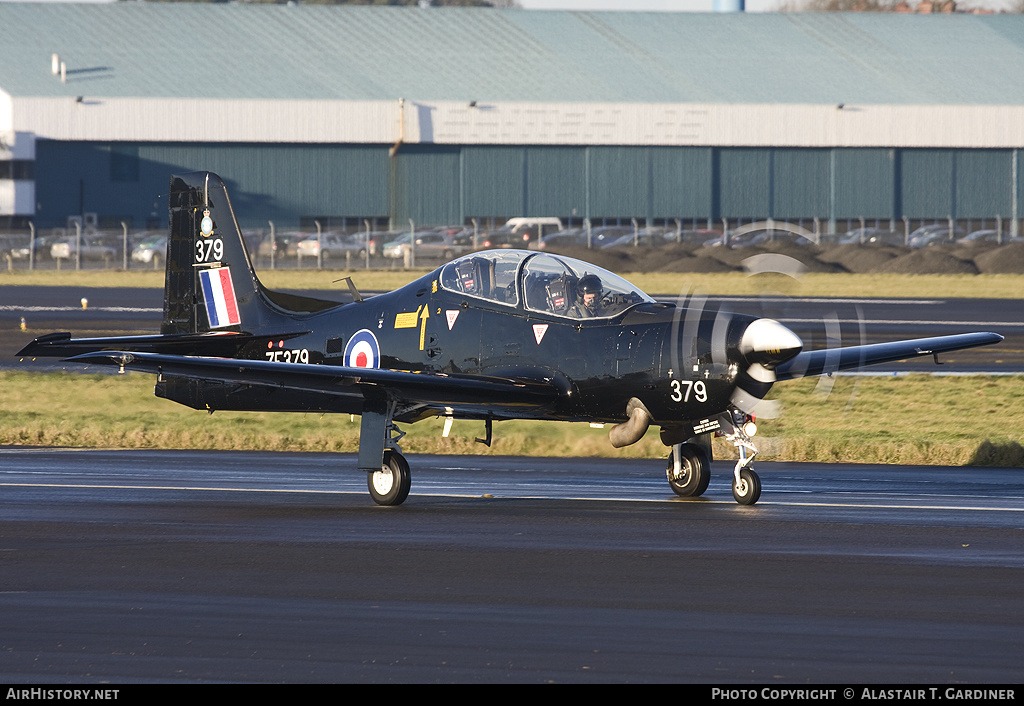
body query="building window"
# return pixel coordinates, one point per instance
(21, 169)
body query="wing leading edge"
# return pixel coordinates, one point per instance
(821, 362)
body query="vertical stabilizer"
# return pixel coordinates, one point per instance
(210, 283)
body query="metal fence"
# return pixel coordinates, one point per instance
(351, 247)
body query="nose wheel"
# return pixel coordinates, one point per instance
(746, 486)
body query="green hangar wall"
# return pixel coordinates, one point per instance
(451, 184)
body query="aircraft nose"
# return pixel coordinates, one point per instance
(768, 343)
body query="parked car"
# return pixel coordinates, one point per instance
(743, 240)
(252, 239)
(520, 232)
(14, 245)
(570, 237)
(151, 249)
(935, 234)
(868, 236)
(981, 236)
(334, 245)
(779, 237)
(429, 244)
(988, 236)
(282, 245)
(94, 247)
(763, 238)
(43, 243)
(651, 237)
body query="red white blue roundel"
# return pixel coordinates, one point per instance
(362, 350)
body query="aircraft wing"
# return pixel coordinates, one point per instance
(825, 361)
(463, 392)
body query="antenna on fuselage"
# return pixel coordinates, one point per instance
(356, 296)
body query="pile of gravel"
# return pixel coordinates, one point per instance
(1008, 259)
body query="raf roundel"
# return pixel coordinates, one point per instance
(362, 350)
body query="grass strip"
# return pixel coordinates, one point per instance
(910, 419)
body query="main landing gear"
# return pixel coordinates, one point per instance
(689, 470)
(387, 472)
(689, 465)
(390, 485)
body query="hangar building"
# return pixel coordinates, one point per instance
(446, 115)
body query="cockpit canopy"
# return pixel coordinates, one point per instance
(541, 282)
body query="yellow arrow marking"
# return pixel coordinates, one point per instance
(424, 315)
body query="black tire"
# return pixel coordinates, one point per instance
(390, 485)
(748, 490)
(695, 469)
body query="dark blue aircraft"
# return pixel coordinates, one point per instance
(493, 335)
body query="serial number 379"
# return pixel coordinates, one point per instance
(210, 250)
(682, 390)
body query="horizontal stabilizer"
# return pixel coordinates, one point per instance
(62, 345)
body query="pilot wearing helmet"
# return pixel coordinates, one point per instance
(588, 300)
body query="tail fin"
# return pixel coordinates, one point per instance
(210, 283)
(210, 287)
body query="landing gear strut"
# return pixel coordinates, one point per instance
(387, 472)
(746, 485)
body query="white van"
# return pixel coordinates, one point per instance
(520, 232)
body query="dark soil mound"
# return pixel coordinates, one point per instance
(860, 258)
(928, 261)
(732, 257)
(1008, 259)
(693, 264)
(614, 259)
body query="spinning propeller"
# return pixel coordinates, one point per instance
(761, 346)
(765, 345)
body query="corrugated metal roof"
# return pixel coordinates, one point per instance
(382, 53)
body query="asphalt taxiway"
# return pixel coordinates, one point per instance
(162, 566)
(152, 566)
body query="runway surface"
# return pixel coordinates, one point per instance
(161, 566)
(137, 566)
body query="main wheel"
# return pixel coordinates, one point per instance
(748, 489)
(694, 472)
(390, 485)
